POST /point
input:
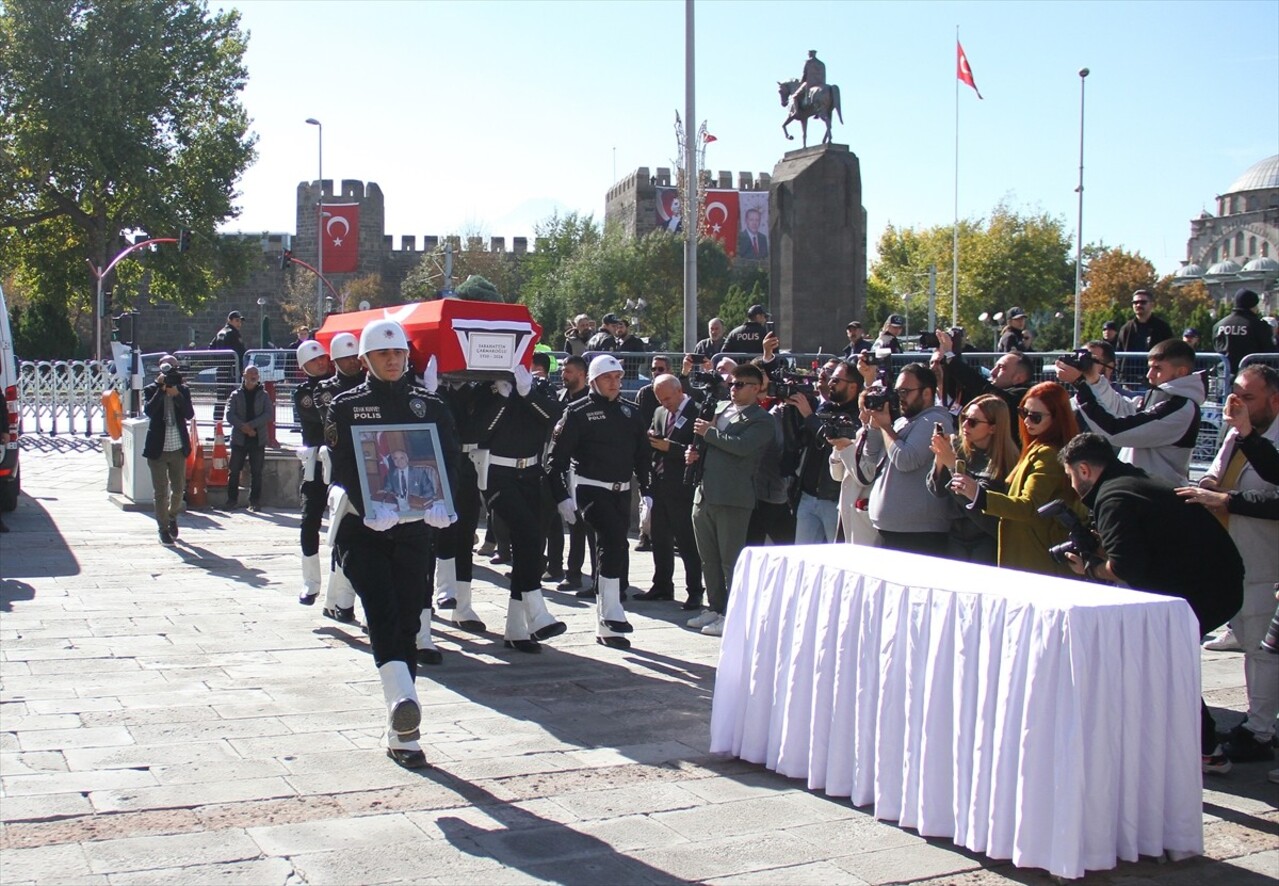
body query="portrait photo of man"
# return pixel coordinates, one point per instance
(669, 210)
(751, 241)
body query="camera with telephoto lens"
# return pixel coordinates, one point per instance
(929, 340)
(705, 379)
(879, 397)
(1081, 360)
(1081, 542)
(791, 383)
(172, 377)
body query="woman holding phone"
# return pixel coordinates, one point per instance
(985, 452)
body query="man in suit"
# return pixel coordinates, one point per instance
(724, 500)
(670, 433)
(404, 479)
(751, 242)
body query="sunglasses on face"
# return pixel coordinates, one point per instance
(1030, 417)
(743, 384)
(972, 420)
(1141, 302)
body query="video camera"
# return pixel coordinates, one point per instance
(1080, 360)
(705, 379)
(877, 356)
(928, 340)
(879, 397)
(1082, 541)
(788, 384)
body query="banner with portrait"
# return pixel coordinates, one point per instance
(402, 465)
(669, 211)
(752, 239)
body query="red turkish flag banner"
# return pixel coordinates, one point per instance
(720, 220)
(340, 237)
(963, 70)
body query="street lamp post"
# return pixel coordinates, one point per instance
(1079, 228)
(319, 226)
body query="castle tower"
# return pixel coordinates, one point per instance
(372, 222)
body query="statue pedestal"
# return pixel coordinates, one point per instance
(817, 231)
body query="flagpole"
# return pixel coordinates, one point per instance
(690, 209)
(954, 271)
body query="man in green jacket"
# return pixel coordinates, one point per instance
(722, 507)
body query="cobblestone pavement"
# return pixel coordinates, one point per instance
(173, 716)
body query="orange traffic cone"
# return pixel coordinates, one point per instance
(218, 468)
(197, 486)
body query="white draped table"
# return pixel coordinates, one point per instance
(1047, 721)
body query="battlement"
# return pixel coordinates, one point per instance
(641, 181)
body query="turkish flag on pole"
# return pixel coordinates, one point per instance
(963, 70)
(340, 236)
(721, 221)
(708, 138)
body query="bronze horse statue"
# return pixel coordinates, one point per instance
(821, 101)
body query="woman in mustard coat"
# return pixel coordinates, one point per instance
(1047, 423)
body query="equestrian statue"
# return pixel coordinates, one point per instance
(810, 96)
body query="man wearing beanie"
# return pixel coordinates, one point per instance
(1242, 332)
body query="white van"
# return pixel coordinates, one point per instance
(10, 480)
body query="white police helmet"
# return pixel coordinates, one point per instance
(602, 364)
(344, 344)
(381, 335)
(308, 351)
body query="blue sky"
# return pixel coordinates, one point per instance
(464, 112)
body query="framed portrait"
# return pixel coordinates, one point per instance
(402, 466)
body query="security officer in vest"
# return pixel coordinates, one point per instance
(515, 418)
(1242, 332)
(307, 413)
(384, 558)
(602, 442)
(344, 351)
(749, 337)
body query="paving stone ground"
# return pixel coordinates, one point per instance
(173, 716)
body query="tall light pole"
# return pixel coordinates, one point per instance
(690, 209)
(319, 228)
(1079, 227)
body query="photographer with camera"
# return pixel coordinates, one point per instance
(1010, 377)
(1139, 521)
(817, 513)
(897, 455)
(1235, 490)
(169, 408)
(985, 452)
(1156, 432)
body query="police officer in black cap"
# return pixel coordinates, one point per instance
(607, 338)
(1242, 332)
(514, 418)
(602, 442)
(384, 556)
(749, 337)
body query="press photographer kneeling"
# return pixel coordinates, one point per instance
(1145, 532)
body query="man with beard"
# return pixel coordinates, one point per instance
(817, 515)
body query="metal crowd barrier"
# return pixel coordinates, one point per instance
(63, 396)
(213, 375)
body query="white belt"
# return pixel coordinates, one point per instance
(518, 463)
(615, 487)
(470, 447)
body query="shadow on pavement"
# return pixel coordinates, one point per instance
(33, 547)
(14, 592)
(541, 848)
(214, 564)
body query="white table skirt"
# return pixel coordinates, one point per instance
(1047, 721)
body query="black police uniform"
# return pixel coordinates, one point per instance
(1240, 334)
(746, 339)
(513, 430)
(339, 602)
(581, 538)
(310, 401)
(456, 542)
(387, 569)
(605, 442)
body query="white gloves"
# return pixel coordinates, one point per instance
(646, 503)
(304, 453)
(380, 516)
(438, 516)
(523, 380)
(567, 511)
(431, 377)
(503, 387)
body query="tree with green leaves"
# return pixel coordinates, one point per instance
(118, 120)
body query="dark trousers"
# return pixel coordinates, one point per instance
(315, 494)
(388, 572)
(553, 529)
(256, 457)
(673, 524)
(933, 544)
(1212, 607)
(457, 541)
(515, 495)
(773, 521)
(608, 513)
(581, 538)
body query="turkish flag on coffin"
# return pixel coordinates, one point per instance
(340, 235)
(721, 218)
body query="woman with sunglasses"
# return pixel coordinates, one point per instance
(1047, 423)
(986, 447)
